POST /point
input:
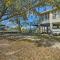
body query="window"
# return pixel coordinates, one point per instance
(54, 15)
(58, 14)
(54, 27)
(46, 16)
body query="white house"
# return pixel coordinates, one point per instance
(50, 21)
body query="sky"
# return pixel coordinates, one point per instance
(43, 9)
(32, 18)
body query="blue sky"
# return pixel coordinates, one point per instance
(43, 9)
(31, 17)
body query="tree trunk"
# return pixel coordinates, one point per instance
(19, 25)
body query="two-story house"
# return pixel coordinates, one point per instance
(50, 21)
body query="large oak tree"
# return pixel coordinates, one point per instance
(15, 8)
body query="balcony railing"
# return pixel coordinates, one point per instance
(55, 18)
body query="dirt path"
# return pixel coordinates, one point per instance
(56, 45)
(12, 52)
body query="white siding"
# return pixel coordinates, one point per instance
(53, 18)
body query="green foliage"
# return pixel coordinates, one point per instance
(1, 25)
(20, 7)
(14, 8)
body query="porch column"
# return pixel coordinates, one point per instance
(44, 28)
(47, 29)
(50, 20)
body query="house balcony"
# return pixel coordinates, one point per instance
(52, 20)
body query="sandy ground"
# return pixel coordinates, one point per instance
(27, 50)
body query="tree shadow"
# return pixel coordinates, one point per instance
(45, 43)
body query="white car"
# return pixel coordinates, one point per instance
(55, 31)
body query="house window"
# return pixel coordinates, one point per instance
(59, 27)
(46, 16)
(58, 14)
(54, 27)
(54, 15)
